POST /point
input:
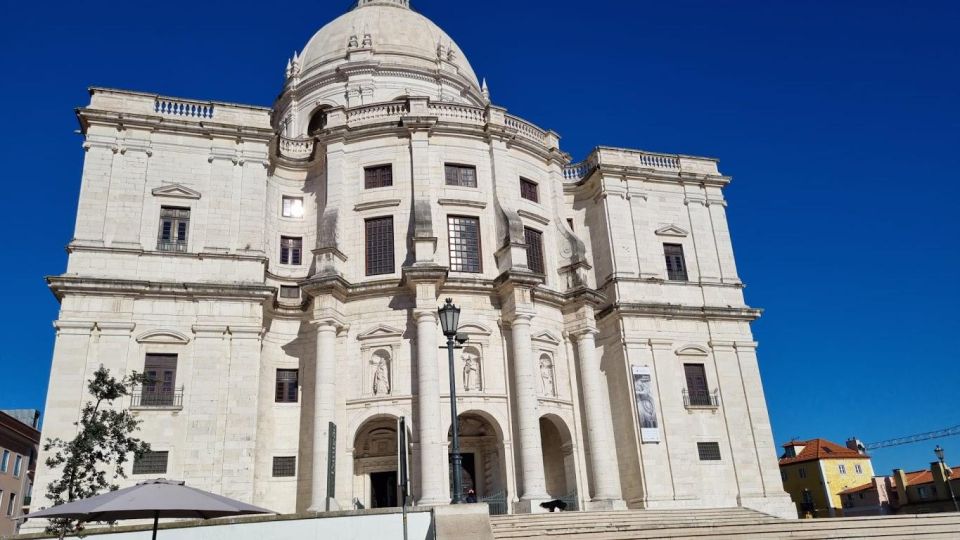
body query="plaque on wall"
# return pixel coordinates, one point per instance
(646, 404)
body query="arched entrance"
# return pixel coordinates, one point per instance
(484, 470)
(559, 465)
(375, 474)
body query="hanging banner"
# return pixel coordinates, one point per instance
(646, 404)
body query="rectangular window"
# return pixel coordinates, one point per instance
(708, 451)
(676, 265)
(378, 177)
(174, 225)
(12, 504)
(783, 475)
(922, 492)
(287, 380)
(160, 385)
(464, 239)
(698, 394)
(803, 472)
(292, 207)
(17, 463)
(151, 463)
(379, 246)
(289, 291)
(460, 175)
(529, 190)
(291, 250)
(858, 469)
(5, 461)
(534, 241)
(285, 466)
(842, 468)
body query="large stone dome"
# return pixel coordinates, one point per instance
(396, 34)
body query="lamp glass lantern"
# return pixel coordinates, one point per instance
(939, 451)
(449, 318)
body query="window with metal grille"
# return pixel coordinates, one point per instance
(534, 241)
(379, 246)
(708, 451)
(697, 390)
(676, 265)
(529, 190)
(289, 291)
(460, 175)
(159, 387)
(292, 207)
(286, 391)
(378, 177)
(291, 250)
(174, 225)
(151, 463)
(284, 466)
(464, 239)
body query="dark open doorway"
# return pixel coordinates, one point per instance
(383, 489)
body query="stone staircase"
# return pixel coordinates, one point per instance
(721, 523)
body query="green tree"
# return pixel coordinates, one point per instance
(94, 460)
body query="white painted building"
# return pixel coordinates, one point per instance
(279, 270)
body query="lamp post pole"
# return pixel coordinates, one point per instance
(939, 451)
(449, 319)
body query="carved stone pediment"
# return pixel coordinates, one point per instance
(169, 337)
(381, 331)
(176, 191)
(474, 329)
(693, 350)
(672, 230)
(546, 337)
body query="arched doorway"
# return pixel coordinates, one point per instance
(484, 470)
(559, 463)
(375, 476)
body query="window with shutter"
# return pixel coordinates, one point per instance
(529, 190)
(697, 389)
(460, 175)
(534, 241)
(378, 177)
(174, 226)
(291, 250)
(379, 246)
(284, 466)
(708, 451)
(153, 462)
(676, 265)
(287, 386)
(161, 378)
(464, 240)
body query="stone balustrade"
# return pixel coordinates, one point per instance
(190, 109)
(298, 149)
(378, 112)
(459, 113)
(526, 129)
(638, 159)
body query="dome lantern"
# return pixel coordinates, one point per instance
(397, 3)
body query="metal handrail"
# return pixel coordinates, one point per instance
(701, 399)
(149, 398)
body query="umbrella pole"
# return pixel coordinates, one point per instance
(156, 520)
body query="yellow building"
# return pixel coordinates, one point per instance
(814, 473)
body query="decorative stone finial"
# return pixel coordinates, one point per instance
(398, 3)
(354, 42)
(485, 90)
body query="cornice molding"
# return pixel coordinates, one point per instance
(675, 311)
(462, 202)
(62, 285)
(374, 205)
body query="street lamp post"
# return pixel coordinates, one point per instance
(939, 451)
(449, 321)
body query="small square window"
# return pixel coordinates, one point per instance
(858, 469)
(292, 207)
(151, 463)
(676, 265)
(529, 190)
(285, 466)
(460, 175)
(803, 472)
(708, 451)
(291, 250)
(842, 468)
(290, 291)
(378, 177)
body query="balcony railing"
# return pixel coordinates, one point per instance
(156, 398)
(701, 399)
(171, 245)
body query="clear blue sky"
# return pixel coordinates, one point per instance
(839, 121)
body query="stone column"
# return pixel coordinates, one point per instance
(324, 408)
(433, 460)
(533, 486)
(599, 425)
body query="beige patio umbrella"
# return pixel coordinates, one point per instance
(155, 499)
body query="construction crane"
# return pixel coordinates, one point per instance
(939, 434)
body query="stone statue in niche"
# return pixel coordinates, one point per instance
(471, 370)
(546, 377)
(381, 374)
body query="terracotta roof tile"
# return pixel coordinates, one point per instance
(815, 449)
(857, 489)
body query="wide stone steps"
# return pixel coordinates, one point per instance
(716, 524)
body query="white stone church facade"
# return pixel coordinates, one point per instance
(278, 271)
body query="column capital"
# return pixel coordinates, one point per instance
(518, 318)
(424, 314)
(330, 324)
(580, 333)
